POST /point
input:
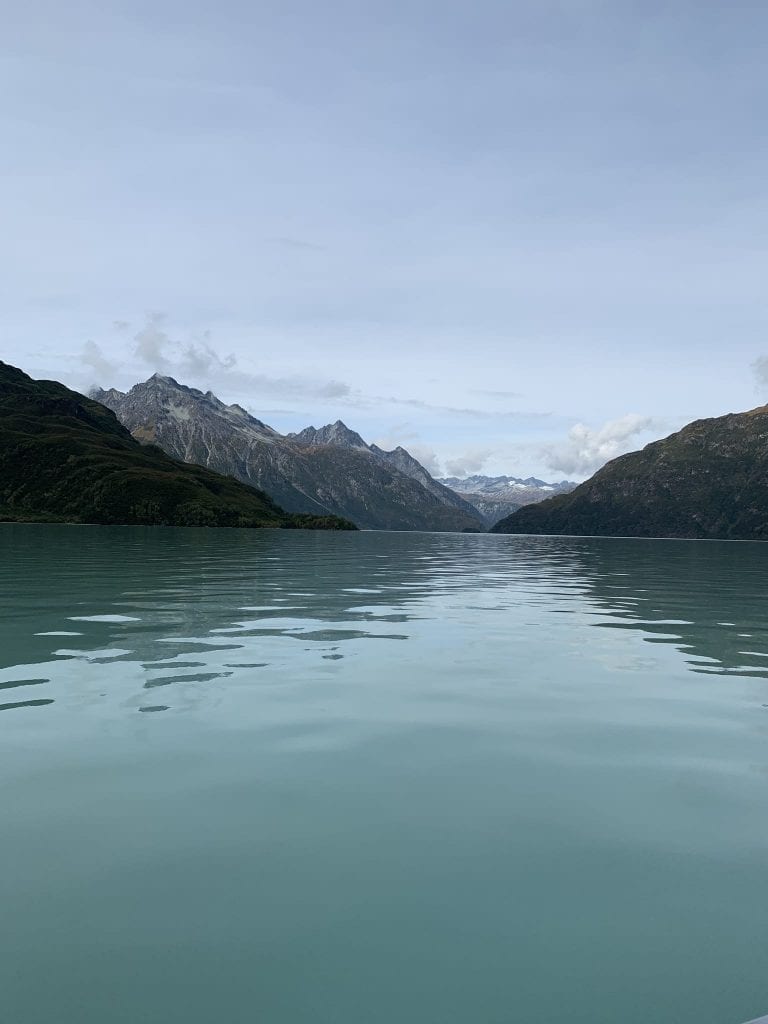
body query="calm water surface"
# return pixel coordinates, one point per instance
(296, 778)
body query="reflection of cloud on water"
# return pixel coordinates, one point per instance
(104, 618)
(192, 677)
(221, 606)
(97, 657)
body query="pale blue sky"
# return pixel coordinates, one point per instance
(462, 226)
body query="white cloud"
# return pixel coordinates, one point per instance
(155, 347)
(398, 433)
(93, 358)
(202, 358)
(151, 343)
(587, 449)
(427, 457)
(469, 462)
(760, 370)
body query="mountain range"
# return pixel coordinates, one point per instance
(163, 453)
(709, 479)
(330, 470)
(66, 458)
(495, 497)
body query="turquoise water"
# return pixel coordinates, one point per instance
(295, 778)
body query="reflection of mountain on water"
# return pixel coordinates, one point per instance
(707, 598)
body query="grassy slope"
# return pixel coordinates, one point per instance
(710, 480)
(65, 458)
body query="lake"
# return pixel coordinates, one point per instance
(317, 778)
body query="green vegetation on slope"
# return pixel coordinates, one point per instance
(66, 458)
(708, 480)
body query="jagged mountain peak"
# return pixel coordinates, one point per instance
(398, 454)
(100, 394)
(337, 433)
(162, 384)
(162, 396)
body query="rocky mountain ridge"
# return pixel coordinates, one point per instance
(399, 458)
(330, 470)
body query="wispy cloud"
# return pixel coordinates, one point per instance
(154, 346)
(427, 457)
(295, 243)
(760, 371)
(505, 395)
(196, 360)
(151, 343)
(469, 462)
(452, 410)
(92, 357)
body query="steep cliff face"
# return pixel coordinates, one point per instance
(330, 470)
(64, 457)
(709, 479)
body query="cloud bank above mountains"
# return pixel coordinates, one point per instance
(153, 348)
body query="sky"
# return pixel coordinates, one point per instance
(515, 237)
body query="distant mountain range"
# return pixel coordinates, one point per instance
(495, 497)
(330, 470)
(709, 479)
(65, 458)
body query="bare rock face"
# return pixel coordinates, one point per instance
(709, 479)
(326, 471)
